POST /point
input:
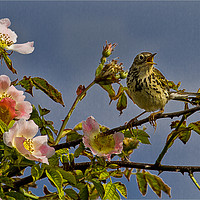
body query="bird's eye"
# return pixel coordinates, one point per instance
(141, 57)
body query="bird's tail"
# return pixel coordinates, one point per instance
(190, 97)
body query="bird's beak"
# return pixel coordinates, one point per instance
(150, 59)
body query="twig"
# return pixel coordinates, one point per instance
(121, 164)
(194, 180)
(78, 98)
(135, 123)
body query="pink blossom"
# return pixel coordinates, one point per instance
(9, 37)
(21, 136)
(100, 144)
(12, 102)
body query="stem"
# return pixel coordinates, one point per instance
(78, 98)
(194, 180)
(168, 143)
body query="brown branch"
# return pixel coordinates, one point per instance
(135, 123)
(121, 164)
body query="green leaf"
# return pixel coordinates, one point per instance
(56, 177)
(157, 184)
(3, 127)
(48, 89)
(27, 83)
(142, 136)
(121, 188)
(43, 85)
(110, 192)
(116, 174)
(99, 69)
(35, 117)
(122, 102)
(79, 150)
(184, 134)
(195, 126)
(104, 175)
(84, 193)
(37, 172)
(142, 183)
(43, 111)
(15, 196)
(71, 193)
(109, 89)
(68, 176)
(8, 61)
(99, 187)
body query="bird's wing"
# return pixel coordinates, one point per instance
(161, 78)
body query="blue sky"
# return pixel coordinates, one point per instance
(68, 40)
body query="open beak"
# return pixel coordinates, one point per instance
(150, 59)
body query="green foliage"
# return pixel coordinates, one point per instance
(46, 127)
(43, 85)
(111, 192)
(56, 178)
(8, 61)
(155, 182)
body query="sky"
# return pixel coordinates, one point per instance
(69, 37)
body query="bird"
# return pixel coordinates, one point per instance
(148, 87)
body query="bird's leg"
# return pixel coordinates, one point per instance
(135, 118)
(152, 117)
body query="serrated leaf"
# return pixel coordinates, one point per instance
(56, 177)
(142, 183)
(110, 192)
(3, 127)
(36, 172)
(99, 187)
(127, 173)
(48, 89)
(27, 83)
(113, 166)
(78, 127)
(109, 89)
(8, 62)
(43, 111)
(68, 176)
(184, 134)
(84, 193)
(104, 175)
(35, 117)
(71, 193)
(116, 174)
(157, 184)
(195, 126)
(121, 188)
(122, 102)
(79, 150)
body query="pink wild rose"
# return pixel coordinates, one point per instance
(9, 37)
(100, 144)
(21, 136)
(12, 104)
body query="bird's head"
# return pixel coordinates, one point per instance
(144, 59)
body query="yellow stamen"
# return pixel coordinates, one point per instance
(28, 145)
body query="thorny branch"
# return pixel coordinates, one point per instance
(121, 164)
(135, 123)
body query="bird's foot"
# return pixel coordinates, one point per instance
(129, 124)
(152, 119)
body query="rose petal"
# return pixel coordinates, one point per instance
(4, 83)
(27, 129)
(5, 22)
(8, 137)
(25, 48)
(41, 147)
(23, 110)
(19, 145)
(90, 126)
(17, 95)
